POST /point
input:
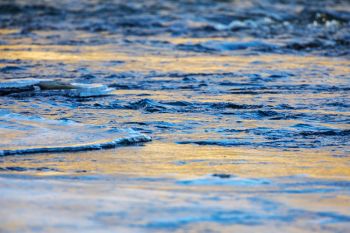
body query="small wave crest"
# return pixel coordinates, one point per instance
(23, 135)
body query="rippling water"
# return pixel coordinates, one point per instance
(247, 104)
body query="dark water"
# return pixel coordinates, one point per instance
(247, 104)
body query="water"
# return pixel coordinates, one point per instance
(246, 104)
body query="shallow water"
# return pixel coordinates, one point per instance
(247, 105)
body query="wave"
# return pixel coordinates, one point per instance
(23, 135)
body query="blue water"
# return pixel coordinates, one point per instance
(246, 102)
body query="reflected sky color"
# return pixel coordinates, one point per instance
(250, 121)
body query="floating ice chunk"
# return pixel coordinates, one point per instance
(86, 90)
(22, 135)
(19, 83)
(61, 87)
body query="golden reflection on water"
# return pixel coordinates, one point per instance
(6, 31)
(164, 158)
(163, 61)
(158, 159)
(168, 159)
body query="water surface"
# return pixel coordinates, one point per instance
(247, 105)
